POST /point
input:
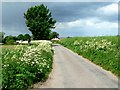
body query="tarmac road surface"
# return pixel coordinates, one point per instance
(73, 71)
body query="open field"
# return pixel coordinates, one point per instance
(11, 46)
(103, 51)
(23, 65)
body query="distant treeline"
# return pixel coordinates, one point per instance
(24, 37)
(12, 39)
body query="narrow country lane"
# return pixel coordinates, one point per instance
(73, 71)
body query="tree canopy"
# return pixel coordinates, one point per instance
(54, 35)
(10, 39)
(23, 37)
(27, 37)
(20, 37)
(1, 36)
(39, 21)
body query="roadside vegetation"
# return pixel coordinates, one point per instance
(102, 51)
(25, 65)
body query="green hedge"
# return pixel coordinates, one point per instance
(22, 67)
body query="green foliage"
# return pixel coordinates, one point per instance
(39, 21)
(10, 39)
(1, 36)
(23, 37)
(20, 37)
(102, 51)
(27, 37)
(26, 65)
(54, 35)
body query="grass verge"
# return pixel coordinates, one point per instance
(103, 51)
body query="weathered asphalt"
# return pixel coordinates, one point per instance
(74, 71)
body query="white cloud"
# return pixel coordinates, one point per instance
(107, 25)
(111, 9)
(84, 22)
(87, 27)
(93, 23)
(76, 23)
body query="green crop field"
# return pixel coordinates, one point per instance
(24, 65)
(102, 51)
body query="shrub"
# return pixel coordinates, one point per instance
(24, 66)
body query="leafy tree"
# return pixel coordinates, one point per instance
(10, 39)
(27, 37)
(39, 21)
(54, 35)
(2, 37)
(20, 37)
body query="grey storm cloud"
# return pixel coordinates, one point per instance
(13, 12)
(66, 12)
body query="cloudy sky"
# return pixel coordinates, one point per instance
(73, 18)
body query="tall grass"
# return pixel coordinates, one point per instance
(102, 51)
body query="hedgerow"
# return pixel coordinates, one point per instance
(25, 66)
